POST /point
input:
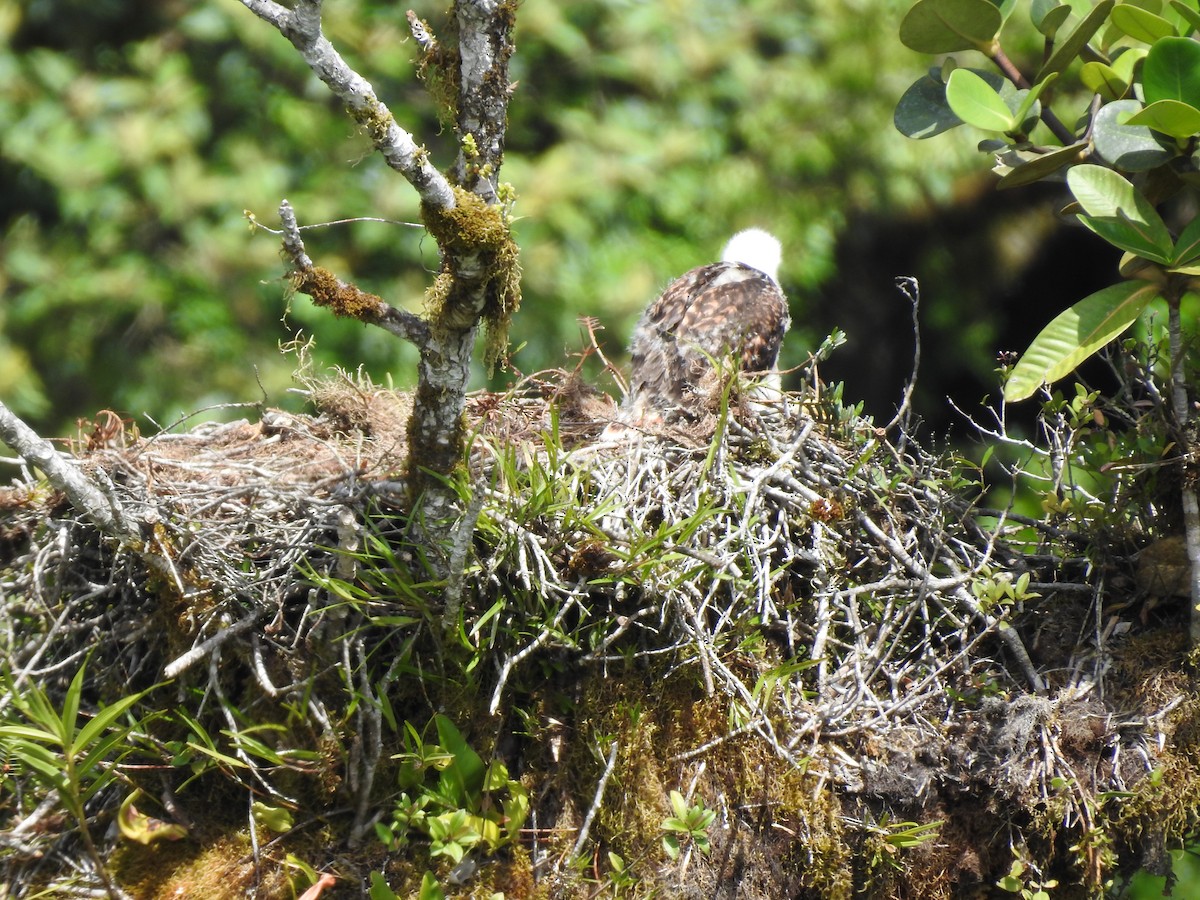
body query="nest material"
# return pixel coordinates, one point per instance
(822, 583)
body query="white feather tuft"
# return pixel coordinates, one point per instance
(757, 249)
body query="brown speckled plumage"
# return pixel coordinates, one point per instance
(714, 310)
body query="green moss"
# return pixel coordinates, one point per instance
(439, 69)
(342, 299)
(474, 230)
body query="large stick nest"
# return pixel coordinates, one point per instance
(785, 595)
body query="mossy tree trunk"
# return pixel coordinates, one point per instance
(479, 280)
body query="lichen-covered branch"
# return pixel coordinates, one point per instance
(479, 279)
(302, 26)
(485, 46)
(65, 475)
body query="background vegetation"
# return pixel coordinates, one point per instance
(133, 135)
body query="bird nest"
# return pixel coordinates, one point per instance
(772, 608)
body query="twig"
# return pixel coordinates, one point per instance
(344, 298)
(187, 660)
(911, 289)
(584, 829)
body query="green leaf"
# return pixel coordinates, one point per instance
(1076, 334)
(70, 710)
(1036, 167)
(670, 844)
(1103, 80)
(943, 26)
(1131, 148)
(44, 762)
(1030, 97)
(1119, 213)
(101, 721)
(1187, 247)
(923, 111)
(1068, 49)
(274, 818)
(1187, 13)
(29, 733)
(1048, 16)
(464, 776)
(380, 890)
(975, 102)
(430, 889)
(1125, 234)
(1171, 117)
(1141, 24)
(1172, 71)
(679, 805)
(516, 810)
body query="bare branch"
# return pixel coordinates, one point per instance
(302, 26)
(66, 476)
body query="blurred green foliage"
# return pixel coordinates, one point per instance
(134, 134)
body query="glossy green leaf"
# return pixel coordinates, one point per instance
(1066, 51)
(975, 102)
(1128, 235)
(1076, 334)
(1048, 16)
(1188, 13)
(1172, 71)
(1035, 167)
(1126, 60)
(1187, 246)
(1141, 24)
(943, 26)
(923, 111)
(1131, 148)
(1119, 213)
(1171, 117)
(1103, 80)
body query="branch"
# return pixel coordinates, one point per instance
(485, 45)
(1013, 74)
(1181, 407)
(65, 475)
(302, 26)
(344, 299)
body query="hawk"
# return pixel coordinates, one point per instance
(733, 307)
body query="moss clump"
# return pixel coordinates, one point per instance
(343, 299)
(478, 253)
